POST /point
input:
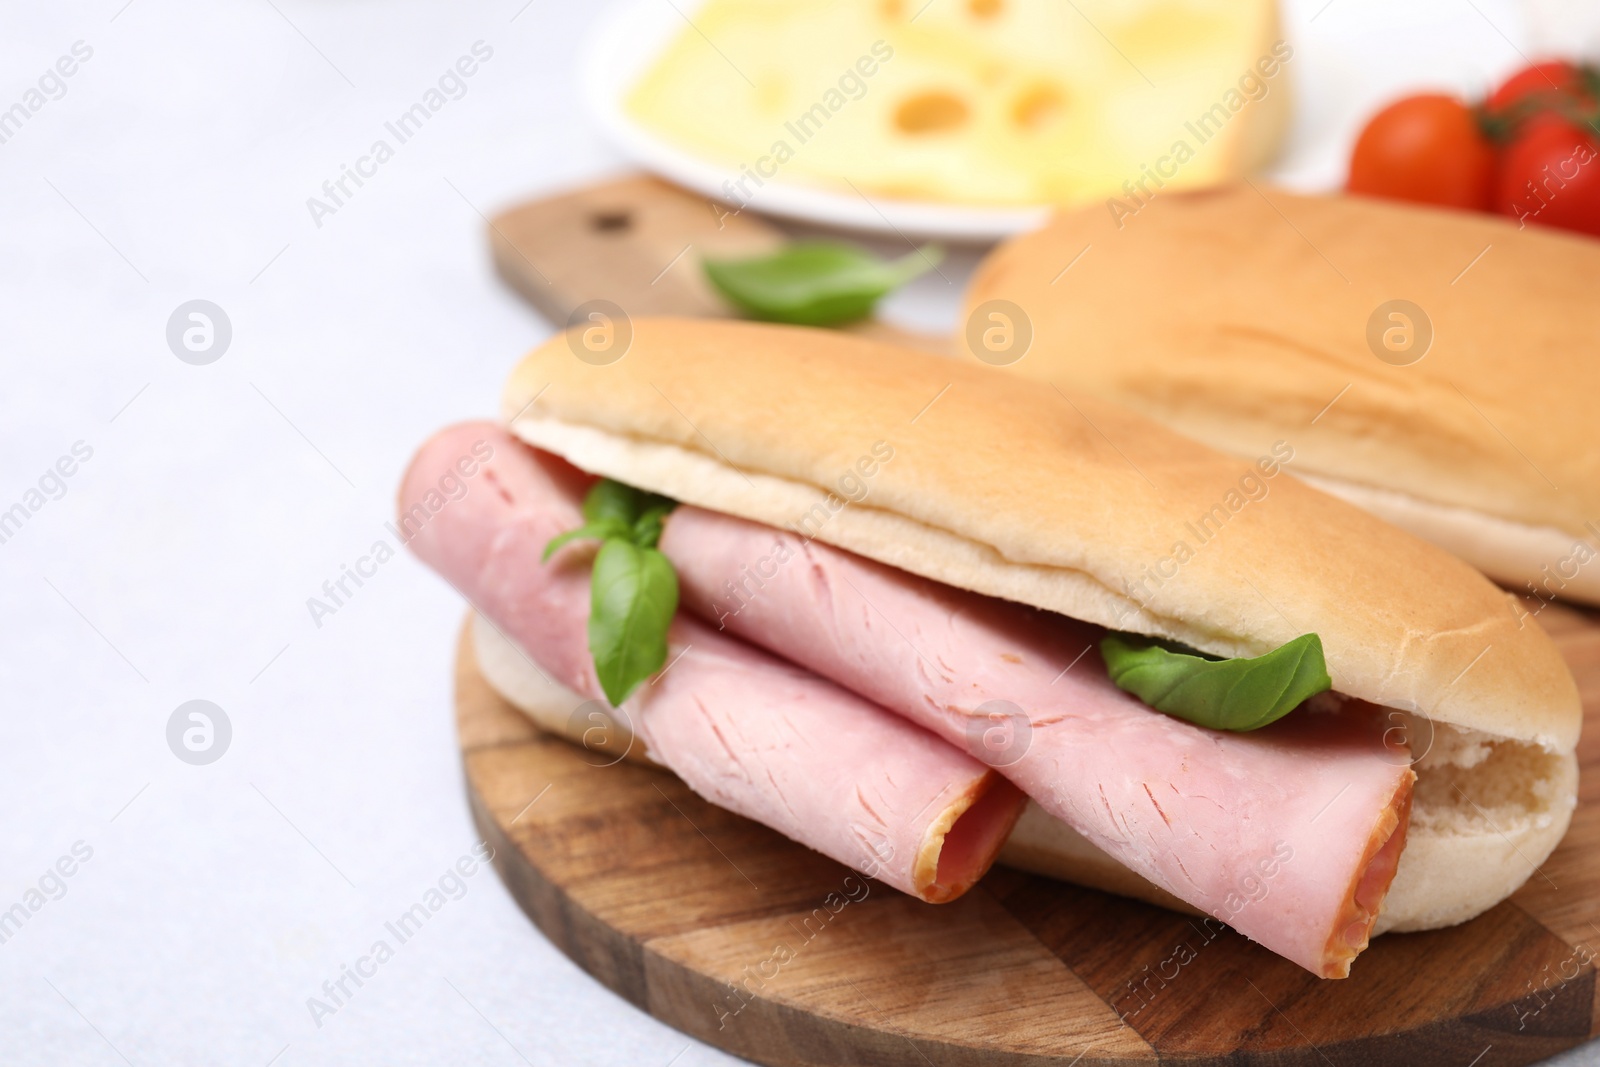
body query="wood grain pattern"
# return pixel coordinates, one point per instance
(744, 939)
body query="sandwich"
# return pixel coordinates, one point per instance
(1431, 366)
(922, 617)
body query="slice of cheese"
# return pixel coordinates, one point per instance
(992, 102)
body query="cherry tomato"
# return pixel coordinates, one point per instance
(1550, 175)
(1428, 148)
(1551, 82)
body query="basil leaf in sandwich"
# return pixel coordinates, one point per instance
(1224, 694)
(633, 590)
(633, 595)
(815, 283)
(614, 500)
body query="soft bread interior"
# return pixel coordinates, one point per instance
(1486, 812)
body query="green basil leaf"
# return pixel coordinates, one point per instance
(815, 283)
(598, 530)
(633, 590)
(633, 595)
(1224, 694)
(609, 499)
(647, 528)
(612, 500)
(649, 502)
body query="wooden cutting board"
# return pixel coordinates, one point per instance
(740, 937)
(637, 242)
(745, 940)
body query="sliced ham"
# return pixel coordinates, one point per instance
(745, 730)
(1290, 834)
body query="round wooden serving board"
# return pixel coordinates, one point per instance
(746, 940)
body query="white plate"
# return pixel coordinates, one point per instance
(630, 37)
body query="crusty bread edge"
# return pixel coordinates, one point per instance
(943, 556)
(1512, 553)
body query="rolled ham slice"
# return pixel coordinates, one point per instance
(745, 730)
(1290, 834)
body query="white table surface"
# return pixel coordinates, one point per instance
(178, 562)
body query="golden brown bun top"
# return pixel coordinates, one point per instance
(1014, 488)
(1239, 315)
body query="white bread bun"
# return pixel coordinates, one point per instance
(1068, 503)
(1060, 501)
(1458, 861)
(1242, 316)
(1512, 553)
